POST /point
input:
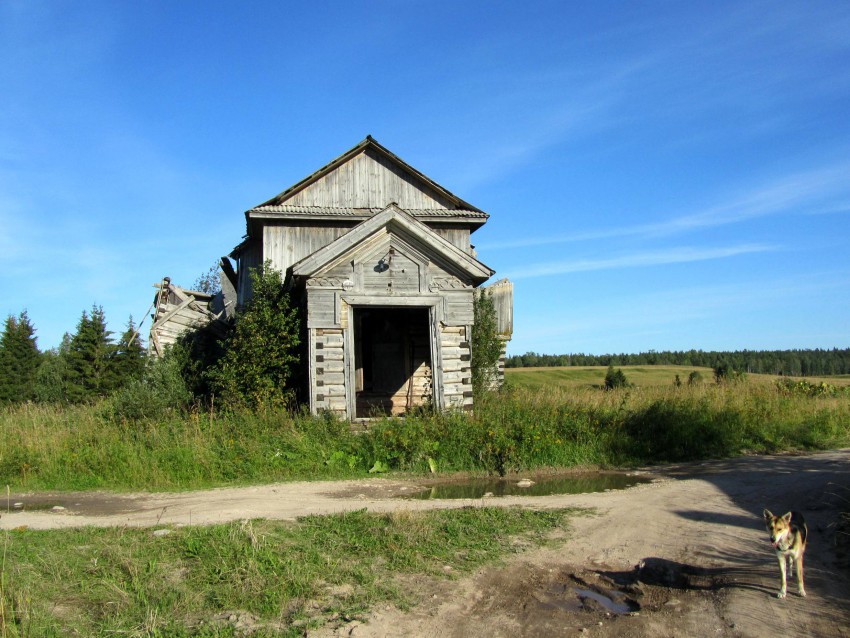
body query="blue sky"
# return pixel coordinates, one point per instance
(659, 175)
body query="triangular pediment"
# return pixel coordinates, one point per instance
(365, 180)
(393, 228)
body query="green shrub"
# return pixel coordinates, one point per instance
(160, 393)
(486, 347)
(615, 379)
(261, 352)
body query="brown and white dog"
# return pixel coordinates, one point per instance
(788, 535)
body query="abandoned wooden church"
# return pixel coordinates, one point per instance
(381, 259)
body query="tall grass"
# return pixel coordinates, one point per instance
(518, 429)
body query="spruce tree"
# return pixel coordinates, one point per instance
(129, 358)
(90, 353)
(19, 360)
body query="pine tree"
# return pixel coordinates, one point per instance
(90, 370)
(19, 360)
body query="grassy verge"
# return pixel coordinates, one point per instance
(274, 578)
(517, 429)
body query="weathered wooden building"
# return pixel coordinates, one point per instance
(380, 257)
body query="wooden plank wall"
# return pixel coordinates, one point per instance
(457, 236)
(369, 180)
(285, 245)
(177, 311)
(502, 293)
(250, 257)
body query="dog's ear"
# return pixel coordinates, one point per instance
(787, 517)
(767, 515)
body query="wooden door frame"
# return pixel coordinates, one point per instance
(433, 304)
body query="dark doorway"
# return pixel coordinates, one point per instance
(392, 359)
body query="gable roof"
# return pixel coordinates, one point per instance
(362, 182)
(398, 222)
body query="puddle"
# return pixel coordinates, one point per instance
(543, 486)
(32, 507)
(86, 503)
(576, 599)
(608, 603)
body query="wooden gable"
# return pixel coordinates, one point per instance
(361, 183)
(370, 180)
(378, 233)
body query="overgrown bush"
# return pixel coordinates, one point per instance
(807, 388)
(615, 379)
(486, 347)
(261, 353)
(723, 373)
(695, 378)
(160, 393)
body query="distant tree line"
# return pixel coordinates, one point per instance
(87, 365)
(798, 363)
(255, 365)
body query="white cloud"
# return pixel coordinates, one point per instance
(810, 192)
(654, 258)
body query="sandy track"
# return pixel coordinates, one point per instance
(697, 532)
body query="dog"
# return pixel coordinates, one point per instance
(788, 535)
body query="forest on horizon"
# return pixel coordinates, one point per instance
(796, 363)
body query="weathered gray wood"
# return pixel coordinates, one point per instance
(502, 293)
(396, 221)
(367, 181)
(366, 232)
(285, 245)
(169, 314)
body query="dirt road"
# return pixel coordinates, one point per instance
(685, 555)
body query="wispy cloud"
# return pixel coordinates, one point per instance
(643, 259)
(810, 192)
(682, 311)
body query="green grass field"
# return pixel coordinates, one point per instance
(641, 376)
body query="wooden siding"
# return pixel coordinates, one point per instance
(390, 271)
(250, 257)
(284, 245)
(502, 293)
(369, 180)
(457, 236)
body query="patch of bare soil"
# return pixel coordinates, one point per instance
(686, 555)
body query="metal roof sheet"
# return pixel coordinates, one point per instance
(308, 211)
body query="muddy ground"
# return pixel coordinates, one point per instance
(685, 555)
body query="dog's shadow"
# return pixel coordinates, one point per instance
(662, 572)
(722, 518)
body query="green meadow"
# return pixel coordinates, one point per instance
(642, 376)
(543, 418)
